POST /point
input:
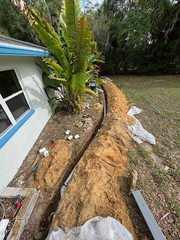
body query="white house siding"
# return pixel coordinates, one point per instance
(16, 149)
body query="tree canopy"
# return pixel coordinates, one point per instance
(133, 35)
(139, 35)
(15, 24)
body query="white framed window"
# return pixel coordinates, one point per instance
(13, 104)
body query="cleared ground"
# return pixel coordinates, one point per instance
(158, 168)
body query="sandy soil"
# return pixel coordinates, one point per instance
(97, 187)
(48, 174)
(100, 181)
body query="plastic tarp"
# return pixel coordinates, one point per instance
(97, 228)
(139, 134)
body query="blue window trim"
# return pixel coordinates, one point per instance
(5, 138)
(22, 52)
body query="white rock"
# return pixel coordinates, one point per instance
(67, 132)
(44, 152)
(166, 168)
(70, 137)
(76, 136)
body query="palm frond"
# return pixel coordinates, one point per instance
(49, 37)
(53, 65)
(71, 17)
(73, 50)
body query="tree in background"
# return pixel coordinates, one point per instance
(15, 24)
(49, 9)
(139, 36)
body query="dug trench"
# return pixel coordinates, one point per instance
(65, 165)
(100, 175)
(48, 174)
(99, 183)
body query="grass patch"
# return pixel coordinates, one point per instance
(160, 176)
(177, 140)
(133, 156)
(139, 155)
(174, 206)
(159, 98)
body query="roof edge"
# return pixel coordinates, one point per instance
(20, 42)
(13, 47)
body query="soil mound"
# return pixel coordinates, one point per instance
(96, 188)
(51, 169)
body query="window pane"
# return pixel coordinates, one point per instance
(18, 105)
(9, 83)
(4, 121)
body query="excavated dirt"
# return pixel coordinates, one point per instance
(49, 173)
(99, 183)
(51, 170)
(100, 177)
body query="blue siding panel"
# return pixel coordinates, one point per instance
(5, 138)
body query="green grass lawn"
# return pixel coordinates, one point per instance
(159, 177)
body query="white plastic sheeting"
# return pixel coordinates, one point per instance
(134, 111)
(3, 225)
(139, 134)
(97, 228)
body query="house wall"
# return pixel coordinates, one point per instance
(16, 149)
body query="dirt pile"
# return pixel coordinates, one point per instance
(96, 188)
(51, 169)
(48, 174)
(63, 154)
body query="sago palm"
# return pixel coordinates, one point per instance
(73, 50)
